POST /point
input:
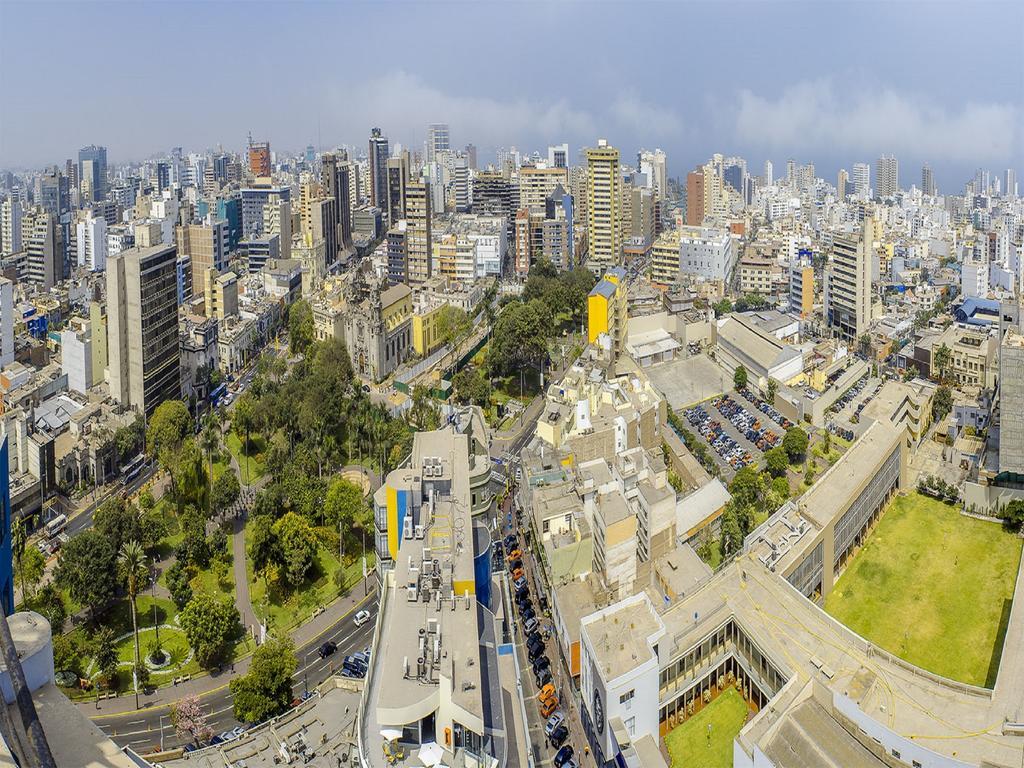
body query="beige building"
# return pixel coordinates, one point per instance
(536, 184)
(142, 327)
(221, 294)
(973, 361)
(848, 284)
(206, 246)
(604, 200)
(418, 242)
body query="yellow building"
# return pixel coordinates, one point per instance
(606, 308)
(604, 199)
(665, 258)
(425, 335)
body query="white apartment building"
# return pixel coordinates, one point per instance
(6, 322)
(974, 277)
(92, 243)
(707, 253)
(10, 226)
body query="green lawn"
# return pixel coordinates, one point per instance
(688, 744)
(933, 587)
(256, 464)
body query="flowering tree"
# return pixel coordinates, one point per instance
(189, 720)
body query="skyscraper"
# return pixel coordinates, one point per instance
(471, 155)
(653, 165)
(418, 242)
(6, 322)
(397, 179)
(41, 237)
(841, 181)
(91, 242)
(604, 222)
(862, 180)
(927, 180)
(259, 158)
(142, 327)
(437, 141)
(10, 225)
(848, 284)
(695, 197)
(97, 181)
(769, 178)
(1010, 182)
(887, 176)
(53, 192)
(334, 179)
(378, 169)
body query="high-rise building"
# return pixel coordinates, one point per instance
(848, 284)
(6, 322)
(321, 226)
(259, 158)
(841, 181)
(604, 222)
(335, 182)
(801, 283)
(471, 155)
(418, 243)
(1011, 408)
(769, 178)
(887, 176)
(695, 197)
(44, 246)
(97, 177)
(438, 141)
(220, 294)
(461, 184)
(378, 170)
(397, 179)
(654, 166)
(142, 327)
(1010, 182)
(53, 193)
(277, 220)
(91, 242)
(536, 184)
(398, 257)
(558, 156)
(207, 247)
(927, 180)
(10, 225)
(862, 180)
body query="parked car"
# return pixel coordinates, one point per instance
(362, 617)
(553, 722)
(520, 583)
(543, 677)
(558, 736)
(535, 653)
(533, 636)
(546, 692)
(531, 624)
(327, 649)
(541, 662)
(547, 706)
(527, 614)
(511, 541)
(563, 755)
(571, 763)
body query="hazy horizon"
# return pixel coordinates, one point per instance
(830, 83)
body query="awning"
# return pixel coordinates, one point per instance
(430, 753)
(390, 733)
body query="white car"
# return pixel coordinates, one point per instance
(362, 617)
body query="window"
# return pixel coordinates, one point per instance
(631, 726)
(627, 696)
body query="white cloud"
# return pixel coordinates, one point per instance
(644, 119)
(815, 115)
(403, 104)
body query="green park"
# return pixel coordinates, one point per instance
(706, 738)
(933, 587)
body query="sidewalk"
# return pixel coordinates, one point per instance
(215, 681)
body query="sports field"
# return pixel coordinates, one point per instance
(934, 587)
(690, 744)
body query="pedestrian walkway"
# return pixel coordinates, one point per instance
(218, 679)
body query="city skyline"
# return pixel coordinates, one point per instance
(760, 100)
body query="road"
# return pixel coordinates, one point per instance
(144, 729)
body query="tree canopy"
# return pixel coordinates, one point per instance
(300, 326)
(266, 689)
(211, 627)
(795, 443)
(87, 569)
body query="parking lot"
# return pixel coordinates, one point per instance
(737, 429)
(843, 417)
(688, 381)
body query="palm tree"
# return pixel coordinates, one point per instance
(132, 562)
(209, 442)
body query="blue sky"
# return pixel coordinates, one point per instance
(829, 82)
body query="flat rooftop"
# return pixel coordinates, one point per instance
(619, 636)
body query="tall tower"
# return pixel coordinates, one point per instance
(848, 284)
(769, 171)
(841, 182)
(887, 175)
(259, 158)
(927, 180)
(97, 181)
(418, 243)
(438, 140)
(604, 222)
(378, 170)
(861, 180)
(142, 327)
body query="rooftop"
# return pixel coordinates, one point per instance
(621, 636)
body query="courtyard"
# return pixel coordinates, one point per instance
(705, 739)
(933, 587)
